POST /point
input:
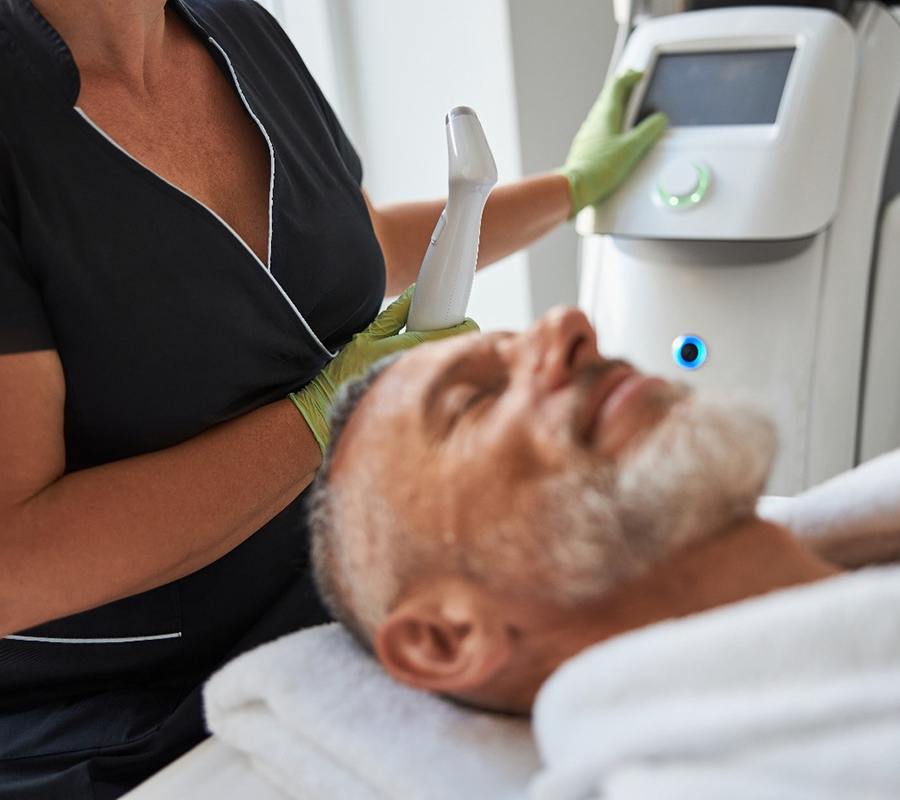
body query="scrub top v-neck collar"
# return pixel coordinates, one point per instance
(195, 25)
(63, 78)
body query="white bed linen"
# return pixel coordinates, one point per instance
(211, 771)
(319, 717)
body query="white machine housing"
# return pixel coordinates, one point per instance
(759, 238)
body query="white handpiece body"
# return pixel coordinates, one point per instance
(448, 269)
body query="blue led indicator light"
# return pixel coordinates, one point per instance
(689, 352)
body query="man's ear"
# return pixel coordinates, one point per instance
(449, 638)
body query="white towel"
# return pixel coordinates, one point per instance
(319, 718)
(789, 696)
(861, 505)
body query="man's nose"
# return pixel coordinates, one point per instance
(564, 343)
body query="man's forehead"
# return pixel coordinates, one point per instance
(389, 408)
(402, 386)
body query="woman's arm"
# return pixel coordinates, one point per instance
(515, 215)
(601, 157)
(69, 542)
(72, 542)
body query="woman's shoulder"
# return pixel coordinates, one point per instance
(246, 27)
(219, 16)
(249, 33)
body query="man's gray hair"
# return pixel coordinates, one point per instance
(324, 528)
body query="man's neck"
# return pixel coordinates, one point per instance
(120, 38)
(753, 558)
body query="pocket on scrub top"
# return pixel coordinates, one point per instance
(89, 725)
(83, 653)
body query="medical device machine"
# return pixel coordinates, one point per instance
(757, 248)
(448, 269)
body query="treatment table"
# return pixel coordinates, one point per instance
(210, 771)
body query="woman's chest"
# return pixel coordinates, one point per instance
(195, 133)
(157, 305)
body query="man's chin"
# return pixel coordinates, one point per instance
(702, 467)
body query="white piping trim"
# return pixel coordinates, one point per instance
(202, 205)
(265, 133)
(112, 640)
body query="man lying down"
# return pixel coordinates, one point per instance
(508, 517)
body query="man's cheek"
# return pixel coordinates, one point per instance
(550, 439)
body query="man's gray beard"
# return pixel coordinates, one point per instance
(698, 472)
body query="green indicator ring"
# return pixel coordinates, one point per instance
(687, 200)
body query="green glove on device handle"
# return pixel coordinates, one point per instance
(382, 338)
(602, 155)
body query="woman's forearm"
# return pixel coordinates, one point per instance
(518, 214)
(103, 533)
(515, 215)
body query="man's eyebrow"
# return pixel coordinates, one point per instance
(449, 375)
(466, 364)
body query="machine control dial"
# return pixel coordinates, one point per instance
(682, 183)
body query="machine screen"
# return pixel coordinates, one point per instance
(733, 87)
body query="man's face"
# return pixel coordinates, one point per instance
(475, 440)
(484, 432)
(478, 441)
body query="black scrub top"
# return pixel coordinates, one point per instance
(166, 324)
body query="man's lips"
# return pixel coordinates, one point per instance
(629, 391)
(604, 384)
(616, 389)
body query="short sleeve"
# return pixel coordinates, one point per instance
(344, 146)
(23, 319)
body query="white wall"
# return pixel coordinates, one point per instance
(530, 68)
(561, 51)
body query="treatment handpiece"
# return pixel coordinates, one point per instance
(445, 277)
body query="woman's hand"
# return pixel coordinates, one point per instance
(602, 155)
(382, 338)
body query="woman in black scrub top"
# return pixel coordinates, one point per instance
(184, 241)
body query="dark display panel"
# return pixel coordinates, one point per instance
(727, 87)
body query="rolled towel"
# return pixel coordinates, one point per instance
(318, 717)
(794, 695)
(852, 519)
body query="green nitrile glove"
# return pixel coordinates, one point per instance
(602, 155)
(380, 339)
